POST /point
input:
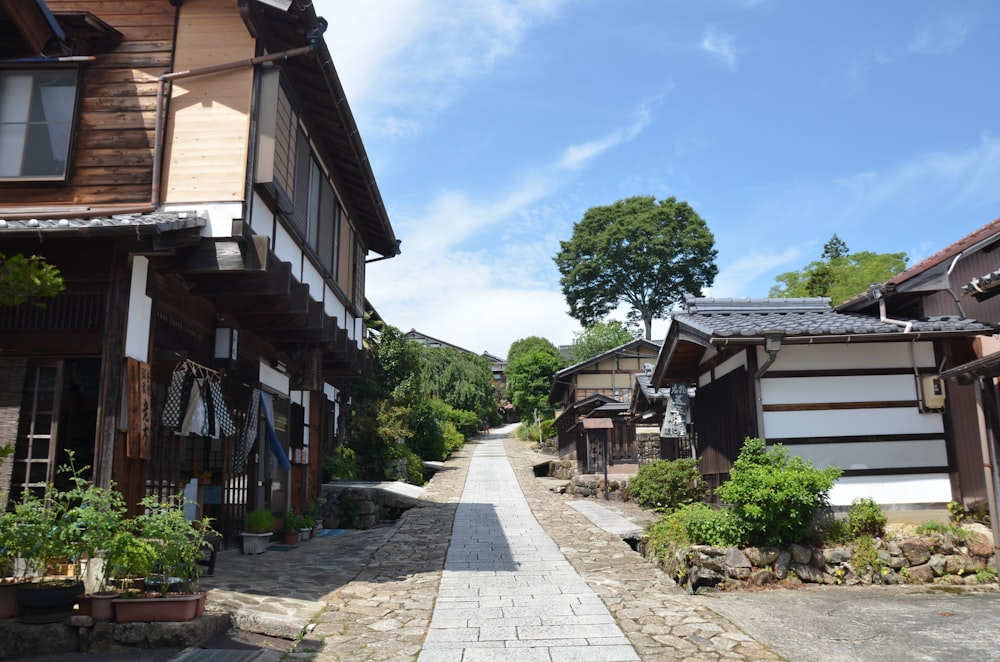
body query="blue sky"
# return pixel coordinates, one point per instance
(492, 126)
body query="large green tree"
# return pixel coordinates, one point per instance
(463, 380)
(599, 338)
(839, 274)
(639, 252)
(532, 364)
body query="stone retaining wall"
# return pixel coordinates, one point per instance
(360, 507)
(934, 558)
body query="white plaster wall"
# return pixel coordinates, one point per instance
(261, 219)
(896, 490)
(140, 312)
(286, 249)
(220, 216)
(334, 307)
(858, 388)
(273, 379)
(851, 356)
(312, 277)
(850, 422)
(875, 454)
(734, 363)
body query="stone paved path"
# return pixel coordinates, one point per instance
(403, 605)
(507, 592)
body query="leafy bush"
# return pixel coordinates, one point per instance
(528, 431)
(704, 525)
(453, 439)
(340, 463)
(774, 495)
(426, 423)
(466, 422)
(667, 484)
(260, 520)
(866, 518)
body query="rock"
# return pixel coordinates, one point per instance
(760, 578)
(800, 554)
(915, 550)
(811, 574)
(979, 546)
(958, 564)
(736, 559)
(938, 564)
(921, 574)
(699, 577)
(834, 555)
(80, 621)
(762, 556)
(782, 564)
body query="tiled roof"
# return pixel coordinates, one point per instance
(804, 317)
(153, 223)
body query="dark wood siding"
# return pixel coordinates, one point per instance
(113, 158)
(724, 416)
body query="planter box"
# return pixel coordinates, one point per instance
(47, 602)
(255, 543)
(8, 600)
(172, 608)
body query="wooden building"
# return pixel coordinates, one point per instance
(193, 169)
(959, 279)
(857, 391)
(592, 404)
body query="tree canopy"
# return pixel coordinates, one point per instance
(599, 338)
(531, 366)
(839, 274)
(464, 381)
(639, 252)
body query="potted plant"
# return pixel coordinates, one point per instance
(101, 517)
(290, 532)
(258, 525)
(172, 556)
(314, 515)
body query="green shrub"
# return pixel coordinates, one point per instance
(704, 525)
(340, 463)
(260, 520)
(453, 439)
(466, 422)
(866, 518)
(774, 495)
(667, 484)
(864, 558)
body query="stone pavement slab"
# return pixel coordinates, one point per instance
(608, 520)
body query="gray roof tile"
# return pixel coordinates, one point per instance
(804, 317)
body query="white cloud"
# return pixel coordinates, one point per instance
(720, 45)
(408, 59)
(579, 156)
(943, 35)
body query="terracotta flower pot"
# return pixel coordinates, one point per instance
(290, 537)
(171, 608)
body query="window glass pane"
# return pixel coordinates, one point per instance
(36, 119)
(312, 218)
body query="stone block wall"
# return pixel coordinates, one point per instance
(934, 558)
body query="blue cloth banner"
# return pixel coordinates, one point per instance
(272, 435)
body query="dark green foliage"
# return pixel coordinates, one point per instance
(839, 274)
(531, 366)
(260, 520)
(639, 252)
(667, 484)
(24, 279)
(866, 518)
(426, 422)
(464, 381)
(774, 495)
(599, 338)
(340, 463)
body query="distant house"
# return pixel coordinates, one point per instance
(195, 172)
(592, 405)
(961, 279)
(853, 390)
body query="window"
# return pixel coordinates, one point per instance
(37, 108)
